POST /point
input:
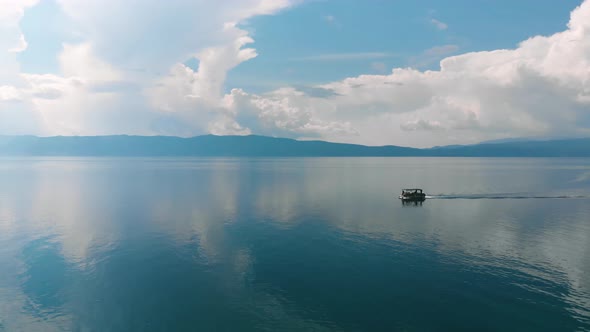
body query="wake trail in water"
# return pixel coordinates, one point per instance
(505, 196)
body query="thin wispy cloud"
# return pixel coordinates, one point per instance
(345, 56)
(441, 50)
(432, 55)
(330, 19)
(440, 25)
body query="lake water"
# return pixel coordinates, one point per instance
(302, 244)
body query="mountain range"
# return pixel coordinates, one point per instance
(262, 146)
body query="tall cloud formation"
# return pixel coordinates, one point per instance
(125, 74)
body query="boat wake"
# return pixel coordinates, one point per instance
(505, 196)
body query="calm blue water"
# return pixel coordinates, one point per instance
(97, 244)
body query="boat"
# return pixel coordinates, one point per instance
(412, 195)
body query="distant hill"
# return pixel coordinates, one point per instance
(579, 147)
(261, 146)
(528, 139)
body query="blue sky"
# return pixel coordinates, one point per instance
(401, 30)
(417, 73)
(45, 28)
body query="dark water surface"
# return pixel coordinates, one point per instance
(294, 244)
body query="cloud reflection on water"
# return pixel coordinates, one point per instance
(89, 216)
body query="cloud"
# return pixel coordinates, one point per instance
(421, 124)
(315, 91)
(9, 93)
(439, 24)
(433, 55)
(124, 72)
(155, 34)
(79, 60)
(196, 97)
(330, 19)
(20, 46)
(286, 112)
(441, 50)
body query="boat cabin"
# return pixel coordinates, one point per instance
(412, 194)
(411, 191)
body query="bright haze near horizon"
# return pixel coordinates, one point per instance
(369, 72)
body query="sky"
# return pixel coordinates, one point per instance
(376, 72)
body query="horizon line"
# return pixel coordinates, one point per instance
(488, 142)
